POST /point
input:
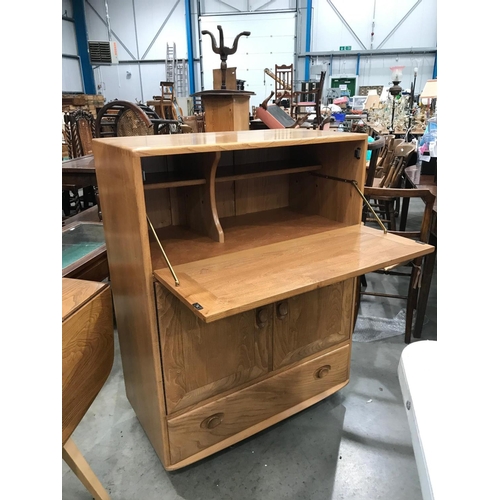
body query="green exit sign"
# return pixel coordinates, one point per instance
(345, 47)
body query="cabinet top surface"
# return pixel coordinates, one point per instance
(76, 293)
(152, 145)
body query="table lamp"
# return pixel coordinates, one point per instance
(395, 90)
(430, 90)
(373, 100)
(429, 93)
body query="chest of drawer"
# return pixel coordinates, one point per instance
(194, 431)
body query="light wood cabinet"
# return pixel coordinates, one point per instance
(262, 230)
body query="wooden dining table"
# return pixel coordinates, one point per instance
(413, 179)
(79, 171)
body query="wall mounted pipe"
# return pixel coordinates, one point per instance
(189, 34)
(376, 52)
(137, 48)
(308, 37)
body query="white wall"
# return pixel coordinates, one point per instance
(401, 24)
(271, 41)
(142, 29)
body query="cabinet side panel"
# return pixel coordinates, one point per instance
(158, 207)
(126, 233)
(329, 198)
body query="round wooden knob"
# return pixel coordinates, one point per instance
(282, 309)
(212, 421)
(322, 372)
(262, 317)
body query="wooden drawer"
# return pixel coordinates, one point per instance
(199, 429)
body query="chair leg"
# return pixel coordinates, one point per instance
(411, 305)
(391, 215)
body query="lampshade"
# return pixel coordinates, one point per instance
(397, 73)
(430, 89)
(372, 101)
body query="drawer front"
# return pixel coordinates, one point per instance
(194, 431)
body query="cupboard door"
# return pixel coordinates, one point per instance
(311, 322)
(200, 360)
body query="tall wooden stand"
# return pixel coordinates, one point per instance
(226, 110)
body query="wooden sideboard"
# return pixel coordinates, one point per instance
(262, 232)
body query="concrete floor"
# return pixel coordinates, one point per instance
(356, 444)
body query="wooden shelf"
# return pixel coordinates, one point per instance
(240, 281)
(161, 180)
(241, 232)
(252, 171)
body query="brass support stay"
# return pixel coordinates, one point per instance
(163, 252)
(355, 184)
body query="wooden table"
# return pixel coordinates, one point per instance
(87, 358)
(84, 251)
(78, 173)
(414, 180)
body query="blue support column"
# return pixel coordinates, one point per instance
(357, 64)
(435, 70)
(82, 44)
(308, 38)
(189, 33)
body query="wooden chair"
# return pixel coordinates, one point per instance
(283, 84)
(409, 270)
(166, 105)
(274, 117)
(79, 130)
(386, 206)
(316, 93)
(386, 154)
(376, 147)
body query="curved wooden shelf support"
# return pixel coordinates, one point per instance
(203, 216)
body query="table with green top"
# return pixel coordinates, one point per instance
(84, 253)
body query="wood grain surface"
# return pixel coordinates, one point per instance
(191, 432)
(87, 348)
(251, 278)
